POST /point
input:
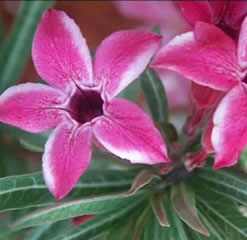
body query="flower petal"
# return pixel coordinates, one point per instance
(66, 157)
(31, 106)
(195, 11)
(129, 133)
(229, 134)
(242, 45)
(122, 57)
(207, 57)
(205, 97)
(60, 53)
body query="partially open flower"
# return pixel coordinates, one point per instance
(81, 100)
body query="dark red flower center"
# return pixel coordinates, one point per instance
(86, 105)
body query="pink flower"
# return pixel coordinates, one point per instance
(81, 100)
(211, 58)
(226, 15)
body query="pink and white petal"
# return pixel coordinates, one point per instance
(207, 57)
(67, 155)
(60, 53)
(242, 45)
(229, 135)
(122, 57)
(195, 11)
(31, 106)
(129, 133)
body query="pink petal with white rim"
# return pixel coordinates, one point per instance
(31, 106)
(122, 57)
(229, 134)
(207, 57)
(60, 53)
(67, 155)
(195, 11)
(242, 45)
(129, 133)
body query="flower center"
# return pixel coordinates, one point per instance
(86, 105)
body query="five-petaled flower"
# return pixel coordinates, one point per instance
(81, 100)
(211, 58)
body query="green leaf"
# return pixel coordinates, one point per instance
(176, 231)
(221, 212)
(16, 48)
(101, 223)
(155, 96)
(31, 147)
(141, 221)
(24, 191)
(130, 92)
(93, 205)
(48, 231)
(227, 182)
(153, 230)
(184, 207)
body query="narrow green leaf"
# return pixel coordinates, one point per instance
(31, 147)
(177, 229)
(153, 230)
(101, 223)
(16, 48)
(155, 96)
(24, 191)
(221, 211)
(48, 231)
(159, 211)
(130, 92)
(228, 182)
(184, 208)
(141, 221)
(142, 179)
(94, 205)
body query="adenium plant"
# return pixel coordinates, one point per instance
(114, 168)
